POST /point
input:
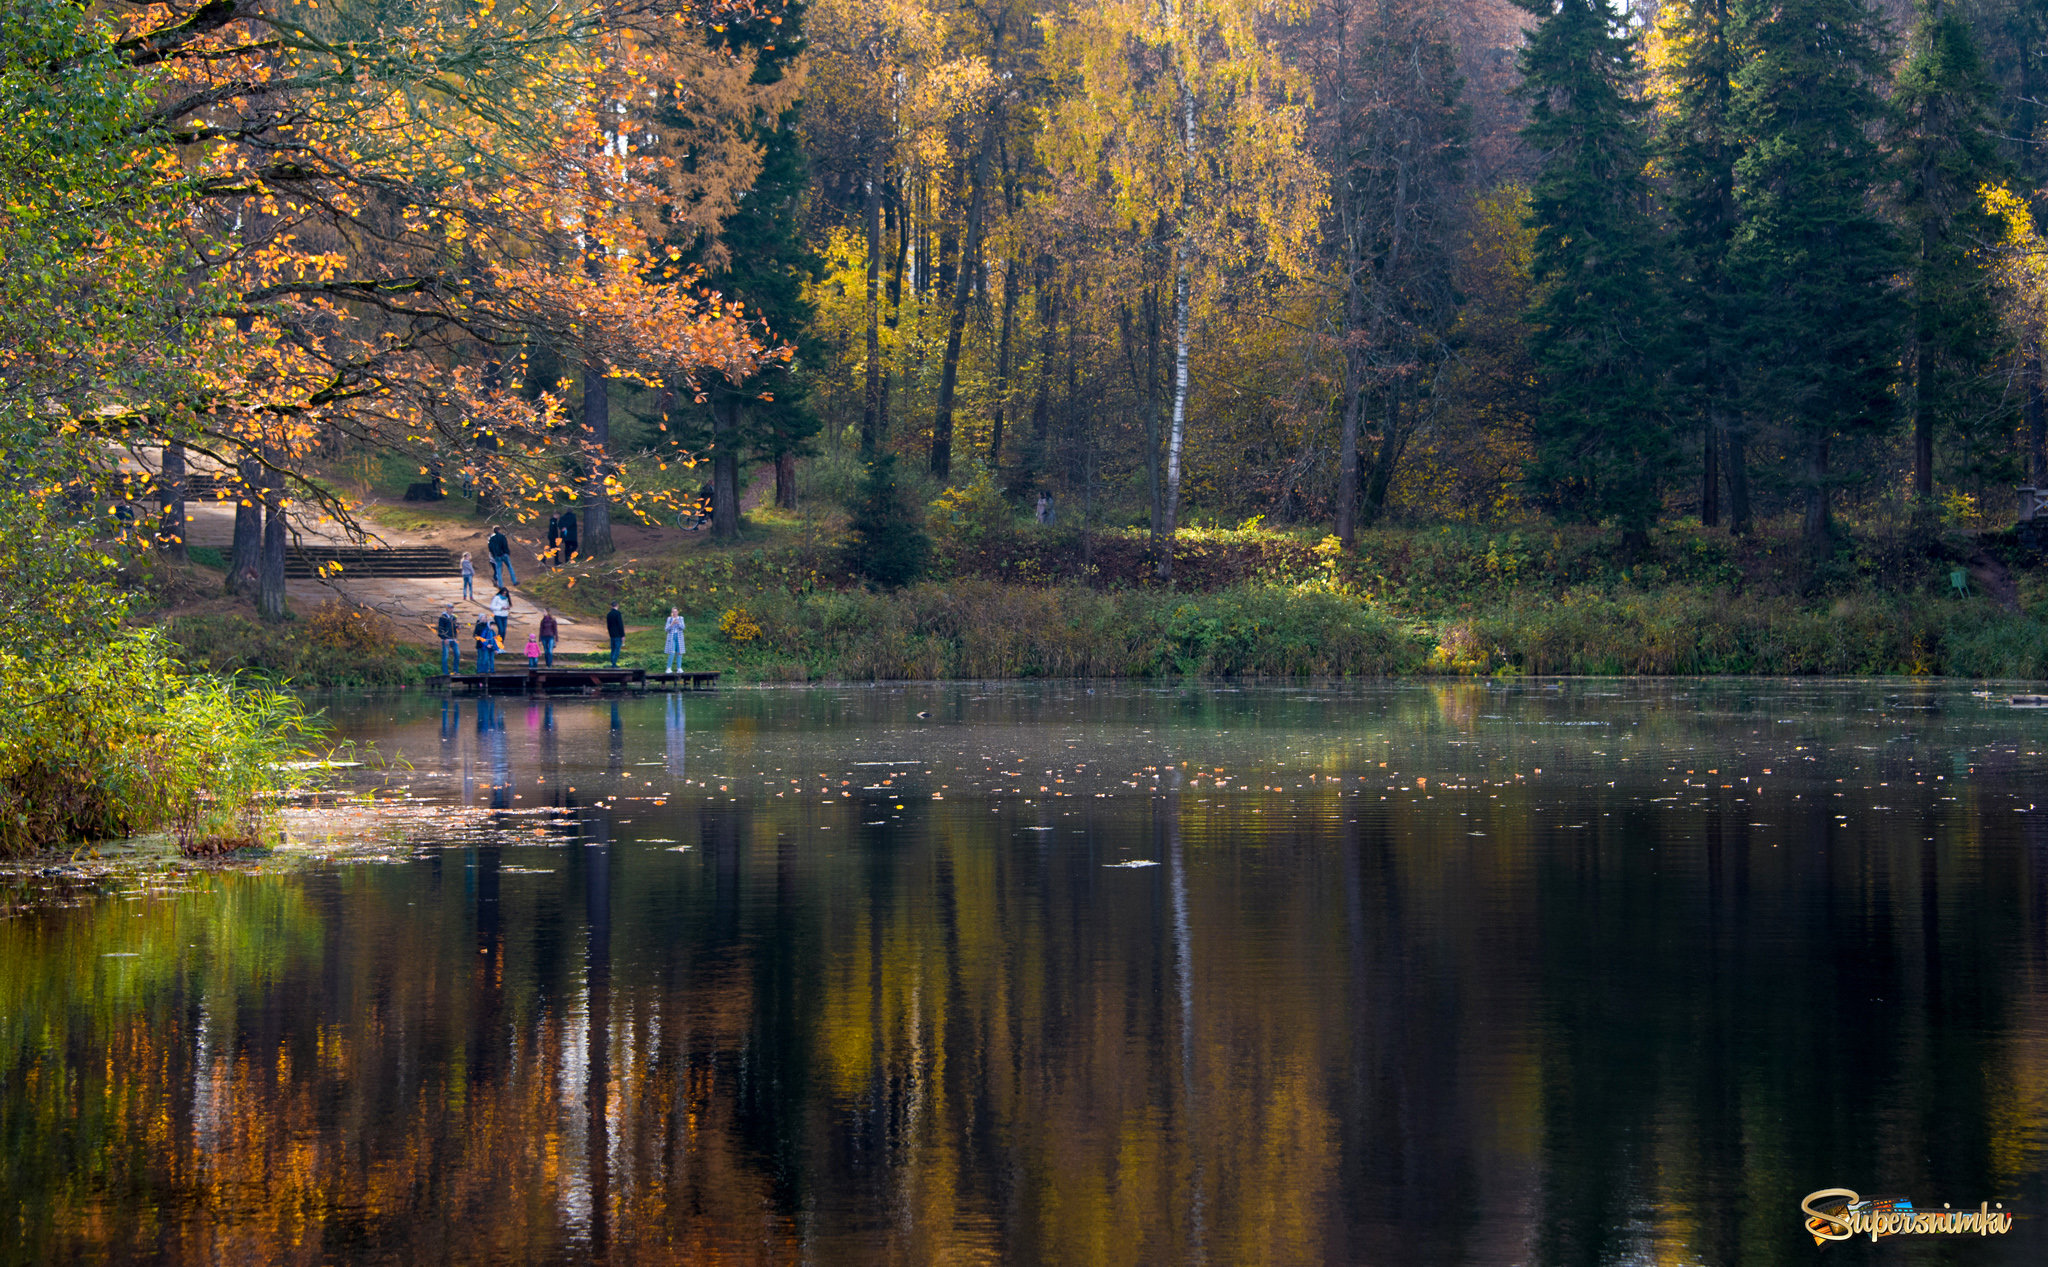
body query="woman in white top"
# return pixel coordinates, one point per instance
(673, 634)
(501, 610)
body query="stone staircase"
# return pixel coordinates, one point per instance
(370, 562)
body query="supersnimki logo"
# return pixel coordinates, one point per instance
(1836, 1214)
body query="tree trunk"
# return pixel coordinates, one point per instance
(871, 399)
(1175, 438)
(1347, 437)
(270, 601)
(995, 439)
(1155, 479)
(1710, 475)
(245, 557)
(1818, 528)
(171, 482)
(725, 465)
(785, 480)
(1735, 463)
(594, 540)
(1923, 418)
(963, 291)
(2037, 414)
(1392, 441)
(1048, 343)
(1183, 300)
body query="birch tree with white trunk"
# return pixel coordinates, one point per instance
(1185, 110)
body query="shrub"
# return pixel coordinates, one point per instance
(889, 544)
(329, 648)
(122, 741)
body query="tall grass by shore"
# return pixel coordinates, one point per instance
(124, 742)
(983, 629)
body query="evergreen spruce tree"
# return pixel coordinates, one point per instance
(767, 260)
(1945, 151)
(889, 543)
(1603, 442)
(1698, 146)
(1820, 325)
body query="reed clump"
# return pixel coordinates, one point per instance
(123, 742)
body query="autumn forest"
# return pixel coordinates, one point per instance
(1316, 337)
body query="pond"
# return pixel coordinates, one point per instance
(1554, 973)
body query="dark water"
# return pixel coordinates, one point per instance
(1404, 974)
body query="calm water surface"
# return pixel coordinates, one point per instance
(1591, 973)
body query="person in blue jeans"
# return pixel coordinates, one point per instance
(672, 637)
(468, 577)
(549, 633)
(449, 630)
(486, 645)
(501, 558)
(615, 625)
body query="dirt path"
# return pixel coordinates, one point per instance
(1991, 576)
(414, 603)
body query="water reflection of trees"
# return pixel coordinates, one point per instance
(1353, 1031)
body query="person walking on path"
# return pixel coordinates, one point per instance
(468, 578)
(1045, 508)
(550, 633)
(501, 557)
(486, 645)
(532, 652)
(501, 611)
(615, 626)
(568, 534)
(555, 539)
(449, 630)
(672, 635)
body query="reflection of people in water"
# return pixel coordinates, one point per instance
(550, 758)
(490, 732)
(451, 717)
(677, 726)
(616, 764)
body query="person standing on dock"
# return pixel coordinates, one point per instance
(550, 633)
(501, 611)
(501, 558)
(468, 578)
(449, 630)
(615, 626)
(672, 635)
(568, 534)
(532, 652)
(486, 645)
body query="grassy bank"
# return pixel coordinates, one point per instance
(1004, 601)
(1254, 602)
(331, 647)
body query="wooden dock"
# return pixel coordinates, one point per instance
(562, 680)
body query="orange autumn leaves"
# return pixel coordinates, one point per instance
(385, 220)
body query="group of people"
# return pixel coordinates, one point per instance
(562, 537)
(491, 629)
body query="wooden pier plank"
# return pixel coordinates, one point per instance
(566, 680)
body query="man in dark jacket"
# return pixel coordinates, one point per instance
(568, 534)
(615, 625)
(449, 629)
(555, 538)
(501, 557)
